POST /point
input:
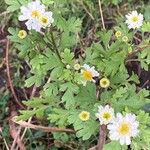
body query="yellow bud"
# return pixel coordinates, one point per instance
(118, 34)
(104, 83)
(22, 34)
(125, 39)
(77, 66)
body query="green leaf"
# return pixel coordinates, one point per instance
(26, 114)
(59, 117)
(67, 56)
(51, 89)
(70, 89)
(87, 95)
(15, 4)
(47, 2)
(115, 145)
(119, 93)
(106, 36)
(146, 27)
(71, 25)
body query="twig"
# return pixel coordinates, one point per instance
(102, 137)
(9, 78)
(38, 127)
(86, 10)
(101, 13)
(19, 129)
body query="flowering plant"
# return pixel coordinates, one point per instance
(92, 91)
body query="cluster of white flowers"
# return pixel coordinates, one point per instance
(35, 16)
(121, 128)
(134, 20)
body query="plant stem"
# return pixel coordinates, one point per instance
(102, 137)
(10, 83)
(55, 46)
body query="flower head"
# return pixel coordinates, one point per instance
(134, 20)
(84, 115)
(77, 67)
(125, 39)
(105, 114)
(46, 19)
(104, 83)
(123, 128)
(68, 66)
(89, 72)
(22, 34)
(118, 34)
(35, 16)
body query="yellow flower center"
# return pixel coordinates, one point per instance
(124, 128)
(84, 115)
(135, 19)
(22, 34)
(106, 116)
(35, 14)
(87, 75)
(44, 20)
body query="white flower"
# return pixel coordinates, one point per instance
(105, 114)
(89, 72)
(46, 19)
(123, 128)
(134, 20)
(35, 16)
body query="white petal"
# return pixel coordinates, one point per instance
(122, 140)
(128, 140)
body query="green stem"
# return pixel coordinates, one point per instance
(55, 46)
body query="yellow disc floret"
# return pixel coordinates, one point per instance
(84, 115)
(22, 34)
(107, 115)
(104, 83)
(44, 21)
(124, 129)
(35, 14)
(118, 34)
(135, 19)
(87, 75)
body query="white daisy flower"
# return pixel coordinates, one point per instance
(46, 19)
(89, 72)
(123, 128)
(105, 114)
(134, 20)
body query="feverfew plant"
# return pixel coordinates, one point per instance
(89, 90)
